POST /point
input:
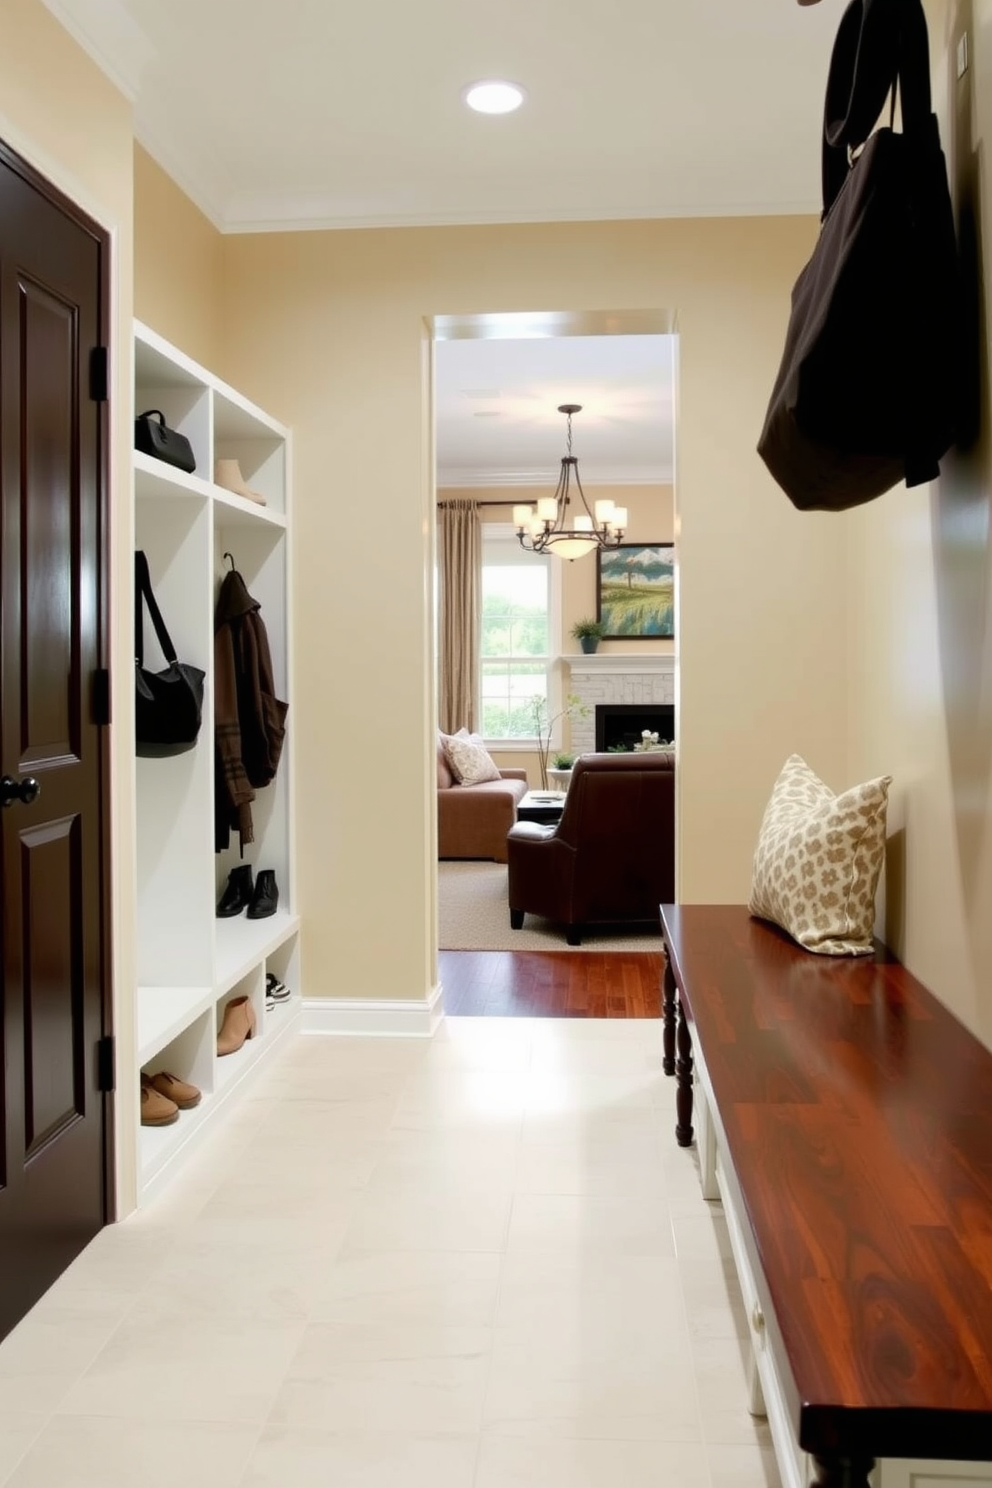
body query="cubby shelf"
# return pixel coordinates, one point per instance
(242, 943)
(156, 481)
(162, 1149)
(240, 512)
(189, 962)
(163, 1013)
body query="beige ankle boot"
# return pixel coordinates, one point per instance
(227, 474)
(238, 1025)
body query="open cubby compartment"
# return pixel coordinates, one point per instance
(243, 944)
(244, 433)
(229, 1067)
(189, 1056)
(174, 795)
(284, 963)
(165, 380)
(259, 554)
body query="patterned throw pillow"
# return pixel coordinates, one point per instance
(470, 762)
(818, 858)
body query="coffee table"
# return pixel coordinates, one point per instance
(544, 807)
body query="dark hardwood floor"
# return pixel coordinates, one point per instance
(551, 984)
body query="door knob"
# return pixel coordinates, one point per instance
(26, 790)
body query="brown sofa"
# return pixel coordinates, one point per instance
(611, 858)
(473, 820)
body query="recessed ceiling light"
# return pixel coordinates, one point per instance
(494, 97)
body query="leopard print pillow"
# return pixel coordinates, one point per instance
(818, 859)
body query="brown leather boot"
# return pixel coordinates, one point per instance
(238, 1025)
(156, 1110)
(185, 1096)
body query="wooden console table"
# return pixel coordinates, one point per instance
(847, 1126)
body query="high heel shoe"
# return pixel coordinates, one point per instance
(238, 1025)
(237, 892)
(227, 475)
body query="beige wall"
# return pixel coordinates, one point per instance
(327, 331)
(921, 632)
(178, 265)
(63, 116)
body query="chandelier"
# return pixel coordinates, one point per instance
(548, 528)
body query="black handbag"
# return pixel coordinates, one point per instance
(168, 704)
(866, 395)
(152, 436)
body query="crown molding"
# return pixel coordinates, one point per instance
(622, 664)
(467, 477)
(258, 213)
(122, 52)
(198, 174)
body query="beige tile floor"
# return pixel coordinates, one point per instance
(475, 1262)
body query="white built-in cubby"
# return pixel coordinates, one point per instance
(190, 963)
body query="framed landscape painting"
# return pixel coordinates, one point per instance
(635, 591)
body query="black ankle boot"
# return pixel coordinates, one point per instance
(237, 893)
(265, 897)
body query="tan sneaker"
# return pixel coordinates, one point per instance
(157, 1110)
(184, 1095)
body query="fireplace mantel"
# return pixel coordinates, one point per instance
(621, 664)
(615, 677)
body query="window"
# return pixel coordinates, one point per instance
(515, 645)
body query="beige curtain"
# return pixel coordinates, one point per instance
(459, 546)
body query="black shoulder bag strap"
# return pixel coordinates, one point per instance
(879, 43)
(143, 593)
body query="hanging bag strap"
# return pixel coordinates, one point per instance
(143, 594)
(880, 43)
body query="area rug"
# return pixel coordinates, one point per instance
(474, 916)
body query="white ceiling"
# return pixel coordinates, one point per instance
(496, 406)
(317, 113)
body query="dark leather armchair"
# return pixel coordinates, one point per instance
(611, 858)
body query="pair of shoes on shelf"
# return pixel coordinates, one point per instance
(163, 1096)
(260, 897)
(238, 1025)
(275, 991)
(227, 475)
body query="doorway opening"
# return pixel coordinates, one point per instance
(500, 380)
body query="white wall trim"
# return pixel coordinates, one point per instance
(257, 212)
(470, 477)
(612, 661)
(384, 1018)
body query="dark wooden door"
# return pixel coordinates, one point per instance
(53, 1163)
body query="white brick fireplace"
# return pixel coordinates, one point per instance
(606, 678)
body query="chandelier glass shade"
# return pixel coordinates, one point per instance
(551, 528)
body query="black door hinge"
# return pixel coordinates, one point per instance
(99, 374)
(101, 696)
(106, 1064)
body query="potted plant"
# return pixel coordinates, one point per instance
(560, 770)
(588, 633)
(543, 725)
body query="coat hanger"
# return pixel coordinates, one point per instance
(230, 558)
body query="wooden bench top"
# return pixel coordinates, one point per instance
(857, 1113)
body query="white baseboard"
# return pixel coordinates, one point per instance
(388, 1018)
